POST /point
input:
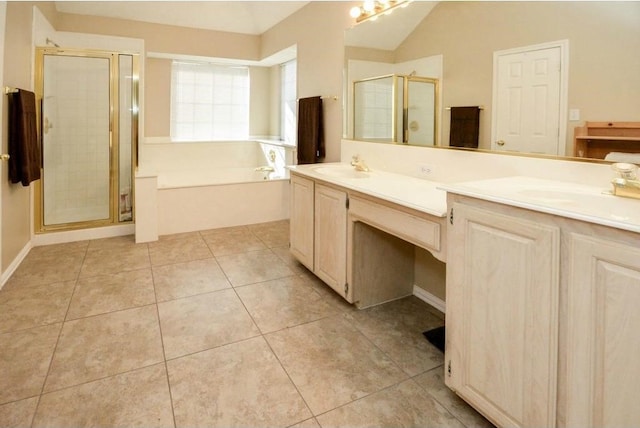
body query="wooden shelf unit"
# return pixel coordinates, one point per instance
(596, 139)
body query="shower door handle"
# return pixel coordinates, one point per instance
(4, 157)
(47, 125)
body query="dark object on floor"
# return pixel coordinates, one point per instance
(436, 337)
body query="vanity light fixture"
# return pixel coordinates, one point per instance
(372, 9)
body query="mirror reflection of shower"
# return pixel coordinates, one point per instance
(396, 108)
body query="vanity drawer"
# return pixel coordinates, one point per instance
(417, 230)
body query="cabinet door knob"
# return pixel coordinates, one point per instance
(500, 143)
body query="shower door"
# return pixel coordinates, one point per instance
(87, 161)
(421, 111)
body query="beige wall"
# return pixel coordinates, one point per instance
(16, 205)
(318, 30)
(260, 96)
(430, 273)
(157, 90)
(167, 38)
(604, 65)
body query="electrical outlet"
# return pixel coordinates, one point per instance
(425, 169)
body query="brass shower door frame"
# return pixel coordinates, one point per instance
(114, 128)
(436, 106)
(404, 80)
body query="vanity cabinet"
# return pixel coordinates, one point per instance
(502, 302)
(603, 346)
(542, 317)
(301, 224)
(330, 248)
(359, 244)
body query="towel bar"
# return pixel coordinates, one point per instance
(9, 90)
(479, 108)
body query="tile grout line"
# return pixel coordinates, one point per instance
(55, 348)
(433, 396)
(262, 335)
(164, 354)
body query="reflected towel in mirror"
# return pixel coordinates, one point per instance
(465, 127)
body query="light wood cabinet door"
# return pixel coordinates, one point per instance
(301, 220)
(331, 237)
(603, 333)
(502, 320)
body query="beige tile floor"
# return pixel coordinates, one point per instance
(213, 328)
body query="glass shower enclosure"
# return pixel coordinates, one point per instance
(396, 109)
(88, 130)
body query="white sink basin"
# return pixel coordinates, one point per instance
(553, 196)
(340, 171)
(582, 202)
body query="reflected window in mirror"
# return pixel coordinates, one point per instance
(288, 98)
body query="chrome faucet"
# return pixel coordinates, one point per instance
(359, 164)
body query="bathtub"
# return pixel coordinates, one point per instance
(218, 176)
(186, 187)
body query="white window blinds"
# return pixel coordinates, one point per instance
(209, 102)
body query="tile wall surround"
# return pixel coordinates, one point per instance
(76, 146)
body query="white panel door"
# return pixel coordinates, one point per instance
(527, 104)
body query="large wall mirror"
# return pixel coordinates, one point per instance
(582, 56)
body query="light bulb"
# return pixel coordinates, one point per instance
(369, 5)
(355, 12)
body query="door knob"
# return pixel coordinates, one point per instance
(4, 157)
(500, 143)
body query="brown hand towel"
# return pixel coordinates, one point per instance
(465, 127)
(310, 130)
(24, 163)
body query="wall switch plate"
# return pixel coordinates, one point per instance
(574, 114)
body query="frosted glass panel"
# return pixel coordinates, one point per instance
(75, 131)
(373, 109)
(127, 111)
(421, 113)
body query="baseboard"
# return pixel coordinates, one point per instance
(14, 264)
(82, 234)
(429, 298)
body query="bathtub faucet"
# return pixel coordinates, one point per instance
(266, 170)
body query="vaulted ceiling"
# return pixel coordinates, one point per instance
(247, 17)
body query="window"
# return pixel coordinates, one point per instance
(209, 102)
(288, 96)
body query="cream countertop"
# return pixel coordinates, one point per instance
(587, 203)
(419, 194)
